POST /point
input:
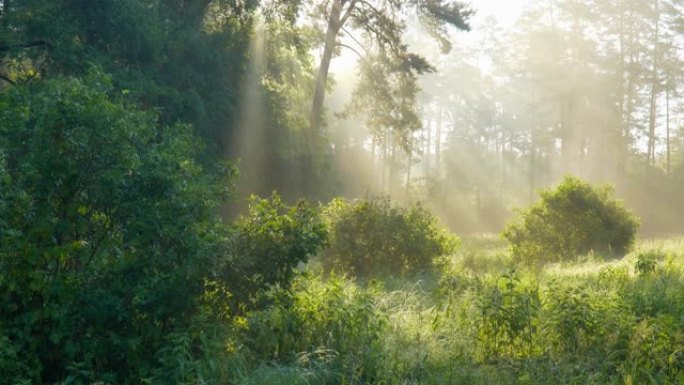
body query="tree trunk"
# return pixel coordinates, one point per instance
(654, 91)
(408, 174)
(667, 126)
(334, 26)
(392, 164)
(438, 137)
(428, 144)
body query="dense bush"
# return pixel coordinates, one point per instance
(111, 242)
(270, 241)
(371, 237)
(570, 220)
(507, 317)
(108, 229)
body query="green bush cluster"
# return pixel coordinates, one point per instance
(111, 245)
(115, 268)
(269, 241)
(570, 220)
(375, 237)
(604, 328)
(506, 320)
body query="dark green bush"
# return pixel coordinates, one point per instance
(372, 237)
(570, 220)
(270, 241)
(108, 228)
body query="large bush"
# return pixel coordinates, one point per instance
(271, 240)
(370, 237)
(108, 229)
(570, 220)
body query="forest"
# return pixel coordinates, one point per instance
(341, 192)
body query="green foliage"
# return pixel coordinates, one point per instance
(577, 321)
(507, 317)
(598, 326)
(331, 323)
(647, 261)
(269, 242)
(108, 229)
(656, 350)
(372, 237)
(571, 220)
(184, 58)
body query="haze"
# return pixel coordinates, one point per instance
(534, 91)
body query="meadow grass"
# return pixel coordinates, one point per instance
(480, 318)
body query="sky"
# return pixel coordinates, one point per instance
(506, 11)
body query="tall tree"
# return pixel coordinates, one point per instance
(383, 22)
(185, 58)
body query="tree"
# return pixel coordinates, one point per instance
(386, 98)
(111, 239)
(185, 58)
(382, 22)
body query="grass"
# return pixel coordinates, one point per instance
(481, 319)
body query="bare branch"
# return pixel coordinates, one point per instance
(356, 40)
(348, 12)
(37, 43)
(361, 57)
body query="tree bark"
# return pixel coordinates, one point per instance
(667, 126)
(428, 144)
(438, 137)
(654, 91)
(334, 25)
(408, 174)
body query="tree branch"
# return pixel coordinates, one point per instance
(7, 79)
(381, 35)
(355, 40)
(348, 12)
(37, 43)
(361, 57)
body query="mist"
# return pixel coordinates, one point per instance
(534, 91)
(342, 192)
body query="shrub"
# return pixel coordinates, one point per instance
(507, 317)
(331, 323)
(570, 220)
(108, 227)
(647, 262)
(270, 241)
(370, 237)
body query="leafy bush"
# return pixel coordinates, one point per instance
(656, 351)
(270, 241)
(570, 220)
(108, 227)
(371, 237)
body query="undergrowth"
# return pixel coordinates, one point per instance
(479, 320)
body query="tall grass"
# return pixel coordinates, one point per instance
(478, 319)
